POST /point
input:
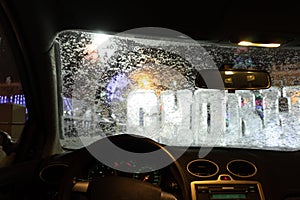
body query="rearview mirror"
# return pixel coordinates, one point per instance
(233, 79)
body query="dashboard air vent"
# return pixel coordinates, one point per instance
(242, 168)
(202, 168)
(53, 173)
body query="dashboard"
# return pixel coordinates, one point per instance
(225, 173)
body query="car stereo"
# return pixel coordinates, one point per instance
(226, 188)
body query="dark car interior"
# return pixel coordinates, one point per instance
(39, 166)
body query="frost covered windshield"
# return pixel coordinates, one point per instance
(126, 83)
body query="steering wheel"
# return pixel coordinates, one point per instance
(117, 187)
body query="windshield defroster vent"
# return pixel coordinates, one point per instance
(202, 168)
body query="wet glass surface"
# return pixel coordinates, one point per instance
(114, 84)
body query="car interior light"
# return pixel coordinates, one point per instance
(269, 45)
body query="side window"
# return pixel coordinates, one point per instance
(13, 111)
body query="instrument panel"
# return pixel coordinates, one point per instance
(101, 170)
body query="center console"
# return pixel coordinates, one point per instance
(226, 188)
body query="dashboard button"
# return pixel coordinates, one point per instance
(225, 178)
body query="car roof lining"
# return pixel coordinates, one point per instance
(211, 20)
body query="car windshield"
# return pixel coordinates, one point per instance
(144, 85)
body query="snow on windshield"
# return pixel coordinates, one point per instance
(126, 86)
